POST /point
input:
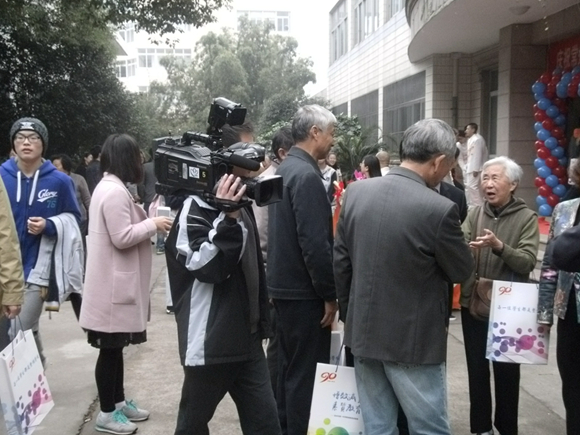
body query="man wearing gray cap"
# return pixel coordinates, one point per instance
(37, 192)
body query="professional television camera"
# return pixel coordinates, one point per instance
(192, 168)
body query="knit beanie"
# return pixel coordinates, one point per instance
(31, 124)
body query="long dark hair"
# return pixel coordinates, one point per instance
(121, 157)
(371, 162)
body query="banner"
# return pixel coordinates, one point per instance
(514, 335)
(335, 408)
(24, 391)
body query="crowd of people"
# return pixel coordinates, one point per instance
(239, 274)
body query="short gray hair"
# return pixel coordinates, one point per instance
(512, 170)
(426, 139)
(308, 116)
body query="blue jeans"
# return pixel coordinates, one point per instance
(420, 389)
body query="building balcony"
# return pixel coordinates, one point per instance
(467, 26)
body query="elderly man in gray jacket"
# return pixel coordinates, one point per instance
(398, 244)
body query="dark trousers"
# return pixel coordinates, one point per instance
(247, 383)
(506, 377)
(272, 352)
(109, 374)
(301, 344)
(568, 355)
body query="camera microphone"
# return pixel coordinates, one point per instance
(242, 162)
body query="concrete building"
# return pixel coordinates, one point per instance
(300, 19)
(393, 62)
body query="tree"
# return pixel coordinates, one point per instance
(252, 66)
(56, 62)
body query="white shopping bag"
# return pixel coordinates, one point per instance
(335, 405)
(514, 335)
(24, 391)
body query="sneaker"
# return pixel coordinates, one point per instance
(452, 318)
(169, 309)
(115, 423)
(160, 251)
(133, 413)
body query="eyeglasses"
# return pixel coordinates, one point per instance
(32, 138)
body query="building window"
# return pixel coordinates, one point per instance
(338, 31)
(366, 19)
(403, 105)
(149, 57)
(125, 68)
(392, 7)
(279, 20)
(127, 32)
(366, 107)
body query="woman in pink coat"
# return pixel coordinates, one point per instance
(116, 293)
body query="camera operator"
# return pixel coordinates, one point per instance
(219, 293)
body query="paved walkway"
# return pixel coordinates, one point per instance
(153, 378)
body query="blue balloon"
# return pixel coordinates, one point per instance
(545, 210)
(562, 90)
(557, 71)
(553, 111)
(544, 103)
(551, 142)
(552, 180)
(561, 119)
(538, 163)
(566, 78)
(538, 88)
(563, 161)
(544, 171)
(558, 152)
(576, 70)
(538, 126)
(543, 134)
(538, 96)
(559, 190)
(541, 200)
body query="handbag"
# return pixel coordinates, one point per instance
(24, 391)
(335, 402)
(514, 334)
(480, 300)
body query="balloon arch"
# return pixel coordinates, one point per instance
(550, 92)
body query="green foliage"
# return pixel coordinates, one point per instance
(253, 66)
(56, 64)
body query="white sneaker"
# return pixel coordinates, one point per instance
(133, 413)
(115, 423)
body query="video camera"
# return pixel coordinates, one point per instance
(193, 168)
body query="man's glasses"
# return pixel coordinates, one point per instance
(32, 138)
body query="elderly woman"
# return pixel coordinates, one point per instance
(505, 232)
(559, 295)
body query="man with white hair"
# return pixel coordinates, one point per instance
(394, 301)
(300, 277)
(384, 160)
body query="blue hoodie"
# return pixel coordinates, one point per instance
(46, 194)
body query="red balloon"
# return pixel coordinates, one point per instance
(539, 181)
(535, 106)
(539, 144)
(562, 142)
(544, 153)
(563, 181)
(552, 162)
(552, 200)
(559, 171)
(572, 89)
(555, 80)
(550, 91)
(548, 123)
(558, 133)
(546, 77)
(545, 190)
(540, 115)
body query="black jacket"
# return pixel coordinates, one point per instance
(208, 286)
(300, 233)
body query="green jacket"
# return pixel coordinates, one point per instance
(517, 227)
